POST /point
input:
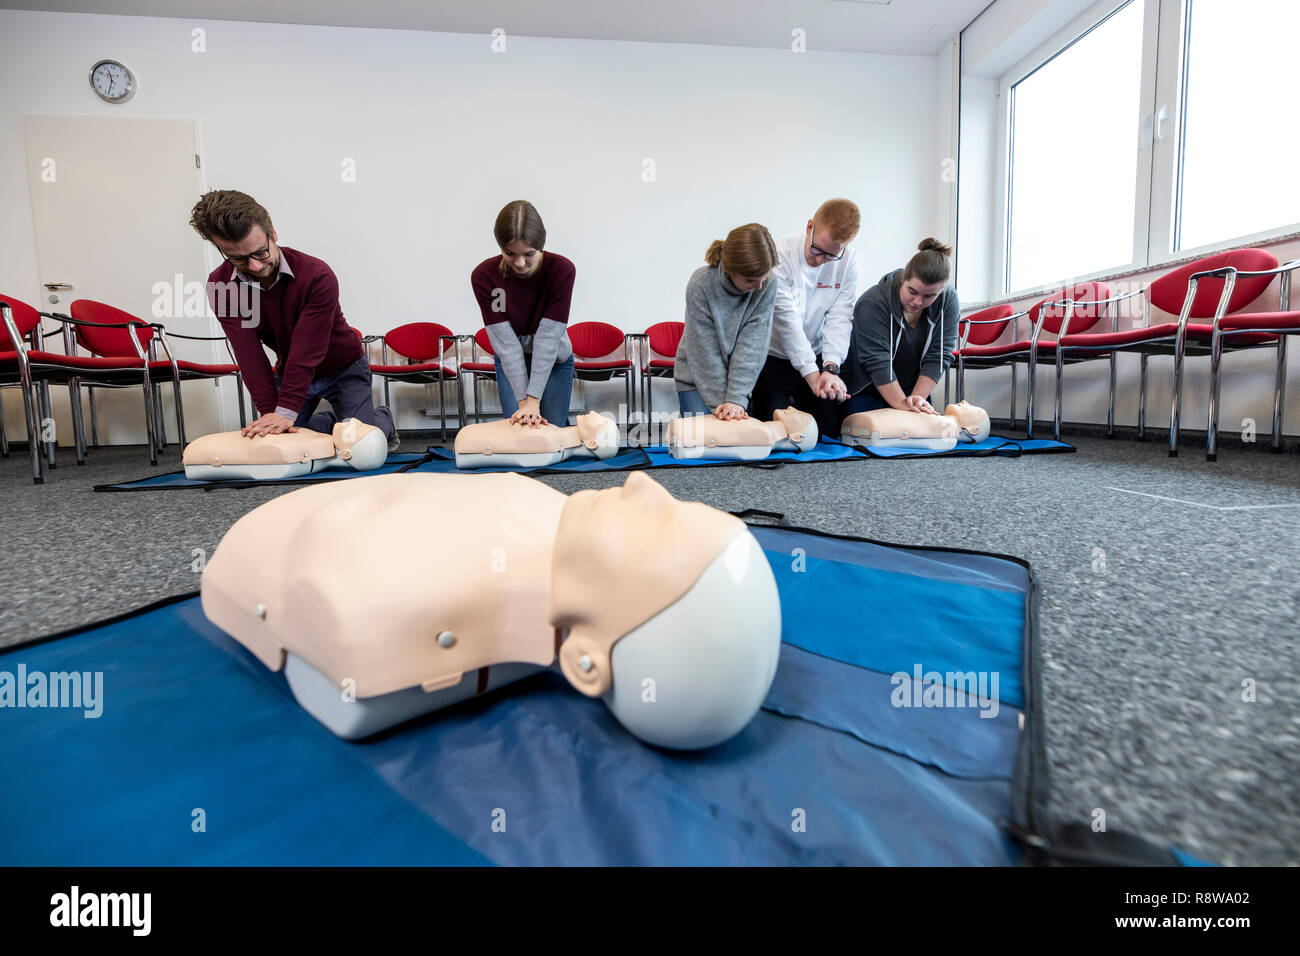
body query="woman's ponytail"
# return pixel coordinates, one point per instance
(930, 264)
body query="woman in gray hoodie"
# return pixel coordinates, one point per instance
(729, 305)
(904, 331)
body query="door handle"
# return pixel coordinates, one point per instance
(58, 286)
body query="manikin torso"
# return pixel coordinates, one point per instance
(502, 443)
(336, 584)
(745, 439)
(223, 456)
(893, 427)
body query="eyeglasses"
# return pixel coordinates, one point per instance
(261, 255)
(824, 254)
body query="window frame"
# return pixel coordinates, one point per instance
(1097, 14)
(1157, 199)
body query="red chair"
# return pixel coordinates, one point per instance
(425, 346)
(100, 329)
(983, 328)
(594, 345)
(1240, 327)
(1048, 315)
(479, 370)
(1198, 286)
(21, 324)
(661, 339)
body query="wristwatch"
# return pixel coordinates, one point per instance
(831, 367)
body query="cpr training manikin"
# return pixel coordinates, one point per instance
(504, 443)
(666, 610)
(223, 456)
(745, 439)
(894, 428)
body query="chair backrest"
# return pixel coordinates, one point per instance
(484, 341)
(1168, 292)
(109, 343)
(420, 341)
(25, 317)
(595, 339)
(1086, 312)
(665, 337)
(985, 334)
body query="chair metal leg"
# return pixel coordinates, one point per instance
(94, 419)
(180, 412)
(33, 427)
(78, 420)
(160, 434)
(47, 415)
(1014, 376)
(1175, 406)
(1029, 397)
(1212, 423)
(239, 399)
(149, 423)
(1056, 417)
(442, 403)
(1279, 392)
(1110, 408)
(4, 439)
(961, 380)
(1142, 400)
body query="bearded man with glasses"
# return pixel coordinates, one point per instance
(295, 310)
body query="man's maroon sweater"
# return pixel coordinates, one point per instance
(298, 317)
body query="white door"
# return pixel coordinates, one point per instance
(111, 201)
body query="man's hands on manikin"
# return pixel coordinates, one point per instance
(827, 385)
(268, 424)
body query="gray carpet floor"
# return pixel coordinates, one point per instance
(1168, 587)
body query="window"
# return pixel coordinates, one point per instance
(1144, 132)
(1236, 162)
(1074, 133)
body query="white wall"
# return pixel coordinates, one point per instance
(444, 132)
(979, 143)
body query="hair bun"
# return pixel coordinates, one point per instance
(932, 244)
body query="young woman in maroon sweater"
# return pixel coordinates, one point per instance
(524, 295)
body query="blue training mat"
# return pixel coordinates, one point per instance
(442, 461)
(824, 450)
(993, 445)
(177, 479)
(845, 763)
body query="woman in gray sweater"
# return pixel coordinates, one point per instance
(729, 306)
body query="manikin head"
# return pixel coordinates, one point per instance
(671, 610)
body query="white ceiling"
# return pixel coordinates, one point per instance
(913, 27)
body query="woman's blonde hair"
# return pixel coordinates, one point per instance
(747, 251)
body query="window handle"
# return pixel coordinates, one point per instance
(1161, 115)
